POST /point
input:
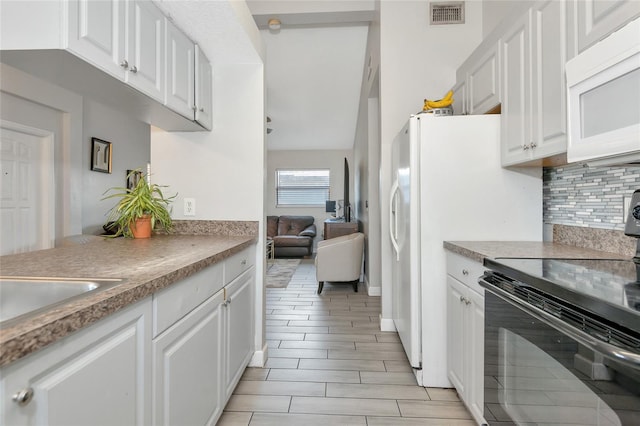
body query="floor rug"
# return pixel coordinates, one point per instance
(280, 271)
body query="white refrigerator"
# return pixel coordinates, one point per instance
(448, 185)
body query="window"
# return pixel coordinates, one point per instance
(302, 187)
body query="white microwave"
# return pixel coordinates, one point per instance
(603, 86)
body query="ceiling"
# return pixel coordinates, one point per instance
(313, 73)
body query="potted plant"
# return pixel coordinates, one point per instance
(141, 208)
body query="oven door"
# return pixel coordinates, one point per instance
(537, 374)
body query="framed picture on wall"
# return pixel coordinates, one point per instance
(133, 177)
(101, 152)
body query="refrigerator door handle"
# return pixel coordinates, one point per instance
(393, 219)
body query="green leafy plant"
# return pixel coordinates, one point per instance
(142, 200)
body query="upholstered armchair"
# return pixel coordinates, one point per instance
(340, 260)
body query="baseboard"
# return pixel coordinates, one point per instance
(371, 291)
(386, 324)
(374, 291)
(259, 358)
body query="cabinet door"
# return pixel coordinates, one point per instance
(180, 87)
(549, 56)
(97, 33)
(100, 376)
(484, 83)
(187, 368)
(145, 44)
(239, 324)
(456, 333)
(598, 18)
(474, 321)
(515, 59)
(204, 89)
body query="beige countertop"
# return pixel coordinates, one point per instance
(479, 250)
(145, 266)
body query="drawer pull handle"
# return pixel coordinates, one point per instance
(465, 272)
(24, 396)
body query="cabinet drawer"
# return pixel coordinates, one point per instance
(465, 270)
(176, 301)
(238, 263)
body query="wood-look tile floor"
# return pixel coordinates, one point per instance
(329, 364)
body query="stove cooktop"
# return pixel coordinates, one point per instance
(610, 287)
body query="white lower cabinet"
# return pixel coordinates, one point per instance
(171, 359)
(465, 332)
(97, 376)
(187, 365)
(239, 318)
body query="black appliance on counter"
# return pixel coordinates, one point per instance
(562, 339)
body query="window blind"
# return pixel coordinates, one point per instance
(302, 187)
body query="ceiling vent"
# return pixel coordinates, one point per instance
(447, 13)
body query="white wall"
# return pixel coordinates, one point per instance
(130, 150)
(40, 104)
(367, 159)
(308, 159)
(222, 169)
(417, 61)
(494, 11)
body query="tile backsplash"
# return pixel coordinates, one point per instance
(588, 197)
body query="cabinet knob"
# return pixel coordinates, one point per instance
(462, 299)
(533, 145)
(134, 69)
(465, 272)
(244, 262)
(24, 396)
(124, 64)
(467, 302)
(194, 108)
(201, 109)
(525, 147)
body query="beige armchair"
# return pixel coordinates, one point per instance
(340, 259)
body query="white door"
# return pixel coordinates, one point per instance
(27, 189)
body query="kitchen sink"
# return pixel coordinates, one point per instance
(25, 295)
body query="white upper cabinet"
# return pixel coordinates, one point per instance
(550, 51)
(145, 49)
(180, 60)
(598, 18)
(534, 111)
(96, 34)
(81, 40)
(516, 92)
(483, 83)
(477, 89)
(204, 87)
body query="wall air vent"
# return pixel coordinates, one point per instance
(446, 13)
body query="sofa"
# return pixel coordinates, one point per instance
(292, 235)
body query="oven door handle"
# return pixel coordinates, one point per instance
(621, 355)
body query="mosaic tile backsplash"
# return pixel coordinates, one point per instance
(588, 197)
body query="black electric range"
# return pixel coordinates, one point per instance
(608, 288)
(562, 342)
